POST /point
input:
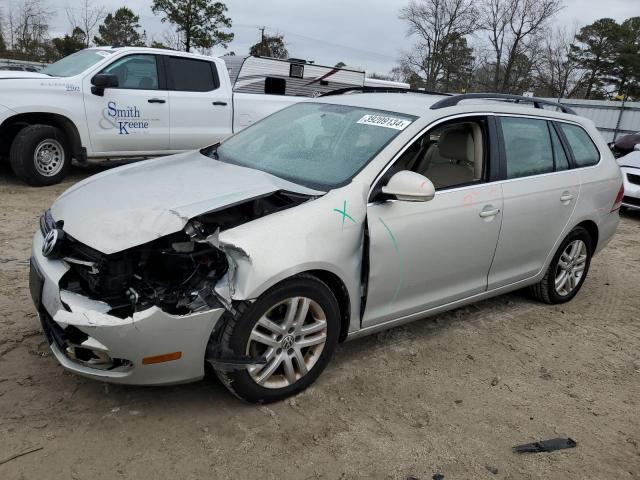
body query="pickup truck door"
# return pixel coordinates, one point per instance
(132, 118)
(200, 103)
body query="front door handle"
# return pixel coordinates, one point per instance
(566, 197)
(489, 213)
(156, 100)
(220, 104)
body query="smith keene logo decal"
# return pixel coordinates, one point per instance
(126, 120)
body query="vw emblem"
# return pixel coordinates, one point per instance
(50, 241)
(287, 342)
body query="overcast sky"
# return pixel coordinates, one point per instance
(361, 33)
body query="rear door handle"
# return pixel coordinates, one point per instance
(489, 213)
(156, 100)
(220, 104)
(566, 197)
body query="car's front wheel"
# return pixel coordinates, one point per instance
(567, 270)
(294, 326)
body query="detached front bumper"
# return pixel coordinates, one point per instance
(88, 341)
(631, 178)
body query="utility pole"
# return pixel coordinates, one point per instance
(262, 44)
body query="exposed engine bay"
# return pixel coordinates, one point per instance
(176, 273)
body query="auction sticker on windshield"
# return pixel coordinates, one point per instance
(384, 121)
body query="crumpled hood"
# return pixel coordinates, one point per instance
(135, 204)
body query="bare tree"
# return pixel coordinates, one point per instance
(512, 27)
(438, 25)
(86, 16)
(559, 74)
(29, 23)
(172, 39)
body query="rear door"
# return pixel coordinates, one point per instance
(540, 194)
(133, 117)
(201, 106)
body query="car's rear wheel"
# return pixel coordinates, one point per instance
(40, 155)
(567, 270)
(295, 327)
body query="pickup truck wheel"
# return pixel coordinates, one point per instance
(40, 155)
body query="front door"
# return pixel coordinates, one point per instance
(427, 254)
(132, 118)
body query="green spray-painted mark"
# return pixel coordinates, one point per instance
(400, 261)
(344, 213)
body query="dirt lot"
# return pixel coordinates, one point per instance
(448, 395)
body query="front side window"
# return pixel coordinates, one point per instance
(527, 145)
(138, 72)
(319, 145)
(191, 75)
(584, 151)
(450, 155)
(76, 63)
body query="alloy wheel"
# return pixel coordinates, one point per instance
(570, 269)
(291, 336)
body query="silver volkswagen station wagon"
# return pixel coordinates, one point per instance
(331, 219)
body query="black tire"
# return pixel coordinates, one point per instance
(24, 147)
(545, 290)
(237, 330)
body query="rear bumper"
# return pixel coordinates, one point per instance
(88, 341)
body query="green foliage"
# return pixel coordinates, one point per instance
(156, 44)
(69, 43)
(610, 54)
(198, 21)
(272, 46)
(120, 28)
(595, 52)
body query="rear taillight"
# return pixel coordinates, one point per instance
(618, 202)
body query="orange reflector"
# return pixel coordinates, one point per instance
(167, 357)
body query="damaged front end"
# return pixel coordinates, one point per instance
(177, 273)
(158, 299)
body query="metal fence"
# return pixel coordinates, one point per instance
(613, 119)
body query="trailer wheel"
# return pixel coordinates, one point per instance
(40, 155)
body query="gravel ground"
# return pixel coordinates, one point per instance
(450, 394)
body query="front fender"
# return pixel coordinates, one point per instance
(322, 234)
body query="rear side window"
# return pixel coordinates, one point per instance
(562, 162)
(527, 146)
(191, 75)
(584, 151)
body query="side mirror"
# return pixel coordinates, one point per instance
(636, 147)
(410, 186)
(102, 81)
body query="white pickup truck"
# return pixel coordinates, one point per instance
(110, 102)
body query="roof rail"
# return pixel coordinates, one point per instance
(366, 89)
(537, 102)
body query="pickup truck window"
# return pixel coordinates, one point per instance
(191, 75)
(138, 72)
(323, 146)
(76, 63)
